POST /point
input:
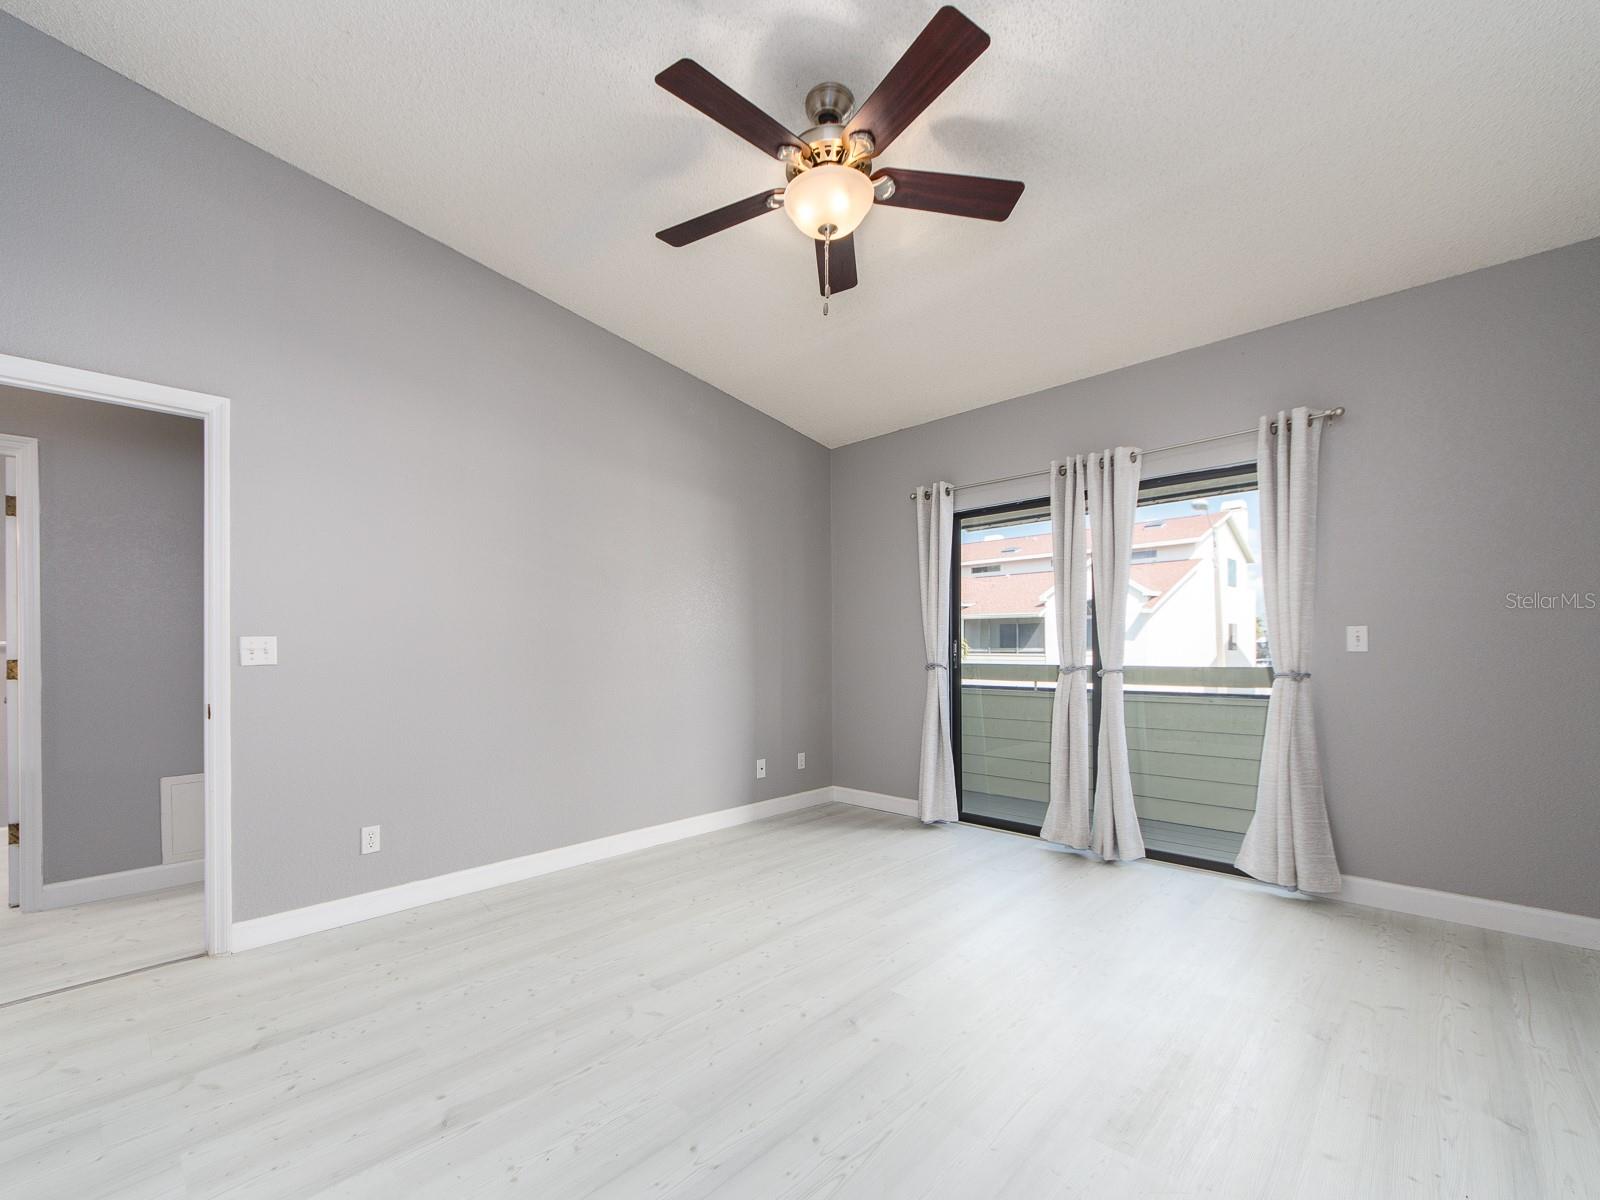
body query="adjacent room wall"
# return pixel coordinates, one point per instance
(531, 585)
(1461, 751)
(121, 512)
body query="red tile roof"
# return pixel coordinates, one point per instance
(1004, 548)
(989, 595)
(1177, 529)
(992, 595)
(1173, 529)
(1160, 578)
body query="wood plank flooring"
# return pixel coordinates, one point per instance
(61, 947)
(836, 1003)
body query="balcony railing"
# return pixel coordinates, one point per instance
(1194, 748)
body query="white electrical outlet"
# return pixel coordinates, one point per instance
(800, 760)
(761, 768)
(258, 652)
(1355, 638)
(370, 840)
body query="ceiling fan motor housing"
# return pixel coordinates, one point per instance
(829, 104)
(826, 144)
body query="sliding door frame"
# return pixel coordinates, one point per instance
(991, 510)
(1177, 478)
(1196, 477)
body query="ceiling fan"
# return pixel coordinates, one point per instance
(830, 182)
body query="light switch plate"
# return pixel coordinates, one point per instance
(1355, 638)
(800, 760)
(258, 652)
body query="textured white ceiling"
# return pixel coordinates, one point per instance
(1194, 170)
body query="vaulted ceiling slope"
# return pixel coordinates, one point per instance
(1194, 170)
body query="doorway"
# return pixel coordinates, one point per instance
(178, 849)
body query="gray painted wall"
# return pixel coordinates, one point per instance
(1461, 752)
(532, 586)
(122, 535)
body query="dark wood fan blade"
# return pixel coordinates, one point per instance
(719, 219)
(947, 47)
(696, 86)
(841, 265)
(958, 195)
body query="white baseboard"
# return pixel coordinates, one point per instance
(263, 931)
(899, 805)
(1549, 925)
(1567, 928)
(121, 883)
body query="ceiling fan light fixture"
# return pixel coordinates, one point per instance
(833, 179)
(828, 195)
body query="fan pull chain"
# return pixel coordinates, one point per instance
(827, 267)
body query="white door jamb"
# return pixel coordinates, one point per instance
(59, 380)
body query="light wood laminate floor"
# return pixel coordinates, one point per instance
(62, 947)
(835, 1003)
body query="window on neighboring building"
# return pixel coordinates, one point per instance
(1233, 630)
(1143, 555)
(987, 569)
(1233, 577)
(990, 635)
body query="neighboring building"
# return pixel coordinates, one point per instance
(1005, 583)
(1191, 598)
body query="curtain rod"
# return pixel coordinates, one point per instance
(1324, 414)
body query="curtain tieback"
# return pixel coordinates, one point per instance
(1072, 670)
(1104, 671)
(1292, 676)
(936, 667)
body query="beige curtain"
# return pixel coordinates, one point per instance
(936, 778)
(1067, 819)
(1288, 842)
(1113, 484)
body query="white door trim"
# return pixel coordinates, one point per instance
(22, 718)
(214, 412)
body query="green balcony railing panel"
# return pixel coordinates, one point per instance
(1194, 751)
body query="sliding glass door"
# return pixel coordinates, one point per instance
(1197, 677)
(1003, 606)
(1197, 671)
